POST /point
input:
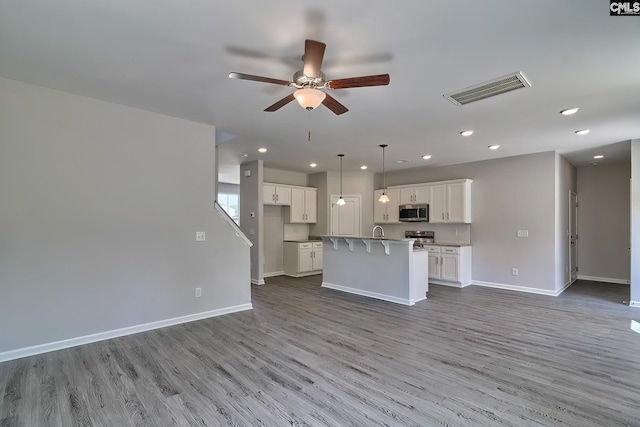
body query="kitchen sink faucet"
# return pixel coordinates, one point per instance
(373, 233)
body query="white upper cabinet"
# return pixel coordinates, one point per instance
(274, 194)
(303, 205)
(386, 212)
(414, 195)
(450, 202)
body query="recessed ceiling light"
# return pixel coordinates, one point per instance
(363, 167)
(426, 156)
(466, 132)
(403, 161)
(313, 165)
(569, 111)
(598, 156)
(262, 150)
(494, 147)
(583, 131)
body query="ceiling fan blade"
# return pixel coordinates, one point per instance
(377, 80)
(278, 105)
(313, 54)
(242, 76)
(333, 105)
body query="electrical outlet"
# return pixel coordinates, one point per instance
(200, 236)
(514, 271)
(198, 292)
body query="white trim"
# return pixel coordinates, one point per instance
(634, 304)
(517, 288)
(273, 274)
(566, 285)
(375, 295)
(226, 218)
(101, 336)
(306, 273)
(257, 282)
(603, 279)
(446, 283)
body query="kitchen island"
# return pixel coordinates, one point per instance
(386, 269)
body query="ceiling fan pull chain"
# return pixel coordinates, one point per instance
(309, 134)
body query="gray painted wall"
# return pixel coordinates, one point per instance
(99, 205)
(279, 176)
(604, 228)
(321, 227)
(635, 222)
(508, 194)
(227, 188)
(353, 184)
(253, 226)
(273, 239)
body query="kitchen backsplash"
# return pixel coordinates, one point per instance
(446, 233)
(296, 231)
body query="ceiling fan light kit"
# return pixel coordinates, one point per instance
(308, 98)
(310, 80)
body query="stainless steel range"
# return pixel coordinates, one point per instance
(422, 237)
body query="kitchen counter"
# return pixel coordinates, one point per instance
(455, 245)
(386, 269)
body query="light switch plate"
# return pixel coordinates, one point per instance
(523, 233)
(200, 236)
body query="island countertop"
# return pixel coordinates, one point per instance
(369, 238)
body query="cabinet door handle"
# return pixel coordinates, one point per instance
(447, 215)
(442, 215)
(277, 197)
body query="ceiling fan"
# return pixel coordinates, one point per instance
(310, 80)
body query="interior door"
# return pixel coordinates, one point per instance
(345, 219)
(573, 236)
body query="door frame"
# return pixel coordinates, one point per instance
(573, 226)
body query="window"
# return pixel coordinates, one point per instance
(229, 203)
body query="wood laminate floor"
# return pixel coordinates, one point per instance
(308, 356)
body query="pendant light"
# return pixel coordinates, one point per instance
(340, 201)
(383, 198)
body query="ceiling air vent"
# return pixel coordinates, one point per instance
(488, 89)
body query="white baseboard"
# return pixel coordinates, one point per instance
(368, 294)
(257, 282)
(634, 304)
(445, 283)
(101, 336)
(273, 274)
(306, 273)
(517, 288)
(603, 279)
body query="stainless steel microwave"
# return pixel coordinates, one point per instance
(414, 213)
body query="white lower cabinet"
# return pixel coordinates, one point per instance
(450, 265)
(302, 258)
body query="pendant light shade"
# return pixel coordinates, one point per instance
(383, 198)
(309, 98)
(340, 201)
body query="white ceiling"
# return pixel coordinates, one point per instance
(174, 57)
